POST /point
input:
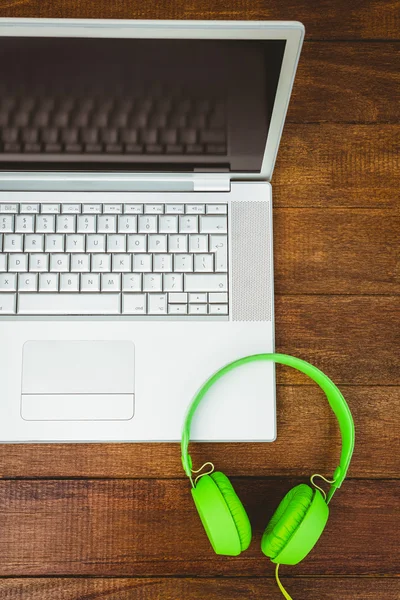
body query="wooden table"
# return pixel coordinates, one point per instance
(117, 521)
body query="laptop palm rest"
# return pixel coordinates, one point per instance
(77, 380)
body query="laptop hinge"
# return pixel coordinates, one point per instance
(211, 183)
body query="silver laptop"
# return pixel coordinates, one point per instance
(136, 225)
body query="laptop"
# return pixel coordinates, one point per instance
(136, 225)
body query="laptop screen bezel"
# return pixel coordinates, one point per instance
(292, 32)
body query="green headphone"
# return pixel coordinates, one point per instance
(301, 516)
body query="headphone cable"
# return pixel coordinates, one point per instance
(278, 581)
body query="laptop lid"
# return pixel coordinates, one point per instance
(159, 97)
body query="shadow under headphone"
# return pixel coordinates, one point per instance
(300, 518)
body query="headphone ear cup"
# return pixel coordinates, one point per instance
(236, 508)
(222, 514)
(296, 526)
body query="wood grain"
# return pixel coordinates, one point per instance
(348, 82)
(354, 339)
(165, 588)
(308, 441)
(151, 527)
(337, 251)
(338, 165)
(362, 19)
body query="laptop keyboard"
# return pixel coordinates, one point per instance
(112, 126)
(114, 259)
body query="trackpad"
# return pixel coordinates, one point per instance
(78, 380)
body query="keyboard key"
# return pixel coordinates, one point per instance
(177, 309)
(197, 309)
(132, 282)
(178, 298)
(154, 209)
(8, 208)
(168, 224)
(45, 224)
(69, 282)
(6, 223)
(219, 244)
(80, 263)
(7, 304)
(147, 224)
(177, 243)
(137, 243)
(65, 223)
(121, 263)
(91, 209)
(106, 224)
(152, 282)
(218, 309)
(71, 209)
(209, 282)
(133, 209)
(183, 263)
(69, 304)
(50, 208)
(90, 282)
(116, 243)
(197, 298)
(38, 262)
(18, 263)
(162, 263)
(203, 263)
(59, 263)
(75, 243)
(174, 209)
(127, 224)
(12, 243)
(195, 209)
(217, 209)
(142, 263)
(134, 304)
(188, 224)
(110, 282)
(157, 304)
(29, 208)
(198, 243)
(86, 224)
(54, 243)
(101, 263)
(173, 282)
(218, 298)
(24, 224)
(8, 282)
(3, 262)
(112, 209)
(34, 243)
(214, 224)
(95, 243)
(157, 243)
(48, 282)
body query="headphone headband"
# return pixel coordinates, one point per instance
(333, 394)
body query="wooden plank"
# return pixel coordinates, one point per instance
(337, 165)
(337, 251)
(150, 527)
(313, 588)
(364, 19)
(349, 82)
(308, 442)
(354, 339)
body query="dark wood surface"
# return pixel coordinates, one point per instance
(115, 521)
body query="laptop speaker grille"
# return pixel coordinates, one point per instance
(250, 261)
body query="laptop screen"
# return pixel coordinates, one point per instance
(136, 104)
